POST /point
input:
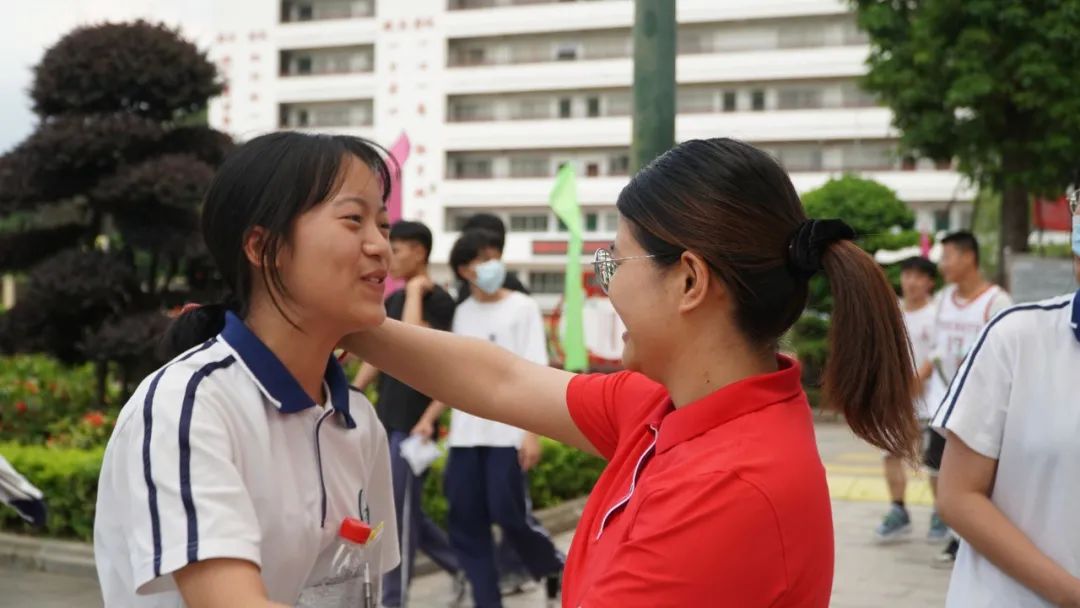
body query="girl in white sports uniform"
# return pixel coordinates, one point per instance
(1010, 480)
(232, 467)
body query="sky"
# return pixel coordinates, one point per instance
(34, 25)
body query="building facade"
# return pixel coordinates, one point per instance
(495, 95)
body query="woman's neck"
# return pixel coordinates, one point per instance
(303, 353)
(703, 369)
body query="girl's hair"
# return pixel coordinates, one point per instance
(734, 205)
(267, 182)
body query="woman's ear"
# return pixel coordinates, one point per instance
(697, 277)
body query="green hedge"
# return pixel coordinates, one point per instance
(68, 477)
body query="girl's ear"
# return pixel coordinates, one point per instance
(254, 243)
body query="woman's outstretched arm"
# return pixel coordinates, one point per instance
(473, 376)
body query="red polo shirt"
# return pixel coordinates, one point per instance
(720, 503)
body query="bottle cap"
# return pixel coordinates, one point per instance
(354, 530)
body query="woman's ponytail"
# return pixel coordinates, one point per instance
(869, 375)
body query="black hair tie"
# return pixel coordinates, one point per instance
(809, 242)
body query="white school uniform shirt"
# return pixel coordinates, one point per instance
(960, 322)
(1017, 400)
(516, 324)
(221, 454)
(921, 330)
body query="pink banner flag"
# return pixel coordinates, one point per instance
(924, 245)
(400, 152)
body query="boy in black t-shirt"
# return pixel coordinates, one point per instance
(401, 408)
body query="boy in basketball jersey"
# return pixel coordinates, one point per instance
(964, 308)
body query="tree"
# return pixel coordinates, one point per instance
(994, 84)
(100, 201)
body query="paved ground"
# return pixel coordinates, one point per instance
(867, 575)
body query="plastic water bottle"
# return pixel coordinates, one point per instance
(356, 572)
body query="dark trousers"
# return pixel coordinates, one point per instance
(485, 486)
(423, 533)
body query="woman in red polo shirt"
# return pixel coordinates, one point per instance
(714, 494)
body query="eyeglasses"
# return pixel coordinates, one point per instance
(604, 265)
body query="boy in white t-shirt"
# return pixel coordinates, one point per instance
(485, 472)
(917, 278)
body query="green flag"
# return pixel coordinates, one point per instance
(564, 203)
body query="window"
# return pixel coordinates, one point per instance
(533, 222)
(757, 100)
(695, 101)
(730, 101)
(302, 118)
(474, 56)
(472, 168)
(594, 107)
(801, 35)
(611, 221)
(565, 107)
(547, 282)
(619, 165)
(796, 99)
(456, 220)
(305, 13)
(941, 220)
(303, 65)
(566, 52)
(592, 222)
(592, 169)
(464, 111)
(618, 104)
(529, 166)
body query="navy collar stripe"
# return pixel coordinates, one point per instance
(978, 346)
(1076, 315)
(274, 378)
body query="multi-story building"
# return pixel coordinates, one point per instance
(495, 95)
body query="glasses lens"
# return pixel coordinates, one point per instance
(603, 267)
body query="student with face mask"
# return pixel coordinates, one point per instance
(485, 472)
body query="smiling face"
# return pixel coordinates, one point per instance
(645, 298)
(336, 261)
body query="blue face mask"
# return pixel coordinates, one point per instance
(490, 276)
(1076, 235)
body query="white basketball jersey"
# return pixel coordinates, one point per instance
(959, 324)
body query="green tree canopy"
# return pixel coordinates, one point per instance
(994, 84)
